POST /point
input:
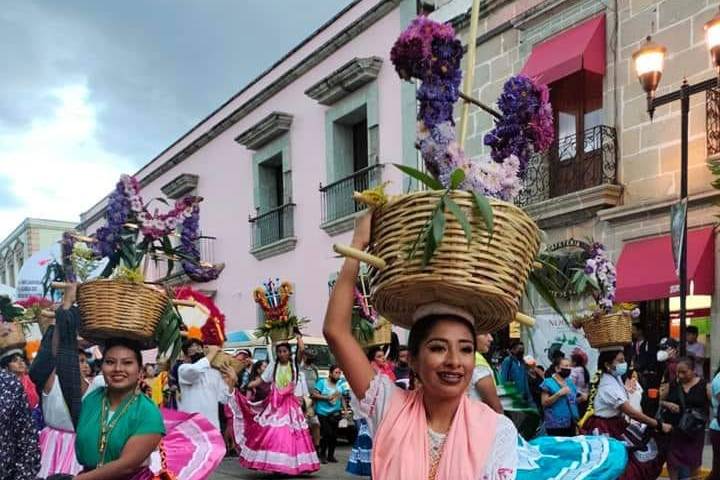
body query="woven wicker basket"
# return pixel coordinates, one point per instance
(382, 335)
(11, 336)
(112, 308)
(279, 335)
(222, 359)
(613, 330)
(487, 278)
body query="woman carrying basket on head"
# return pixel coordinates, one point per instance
(435, 431)
(607, 403)
(272, 435)
(119, 429)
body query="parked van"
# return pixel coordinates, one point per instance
(261, 349)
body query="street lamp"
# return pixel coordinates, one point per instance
(649, 61)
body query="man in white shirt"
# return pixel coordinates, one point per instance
(201, 386)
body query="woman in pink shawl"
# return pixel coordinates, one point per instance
(462, 439)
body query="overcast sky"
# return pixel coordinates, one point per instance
(90, 89)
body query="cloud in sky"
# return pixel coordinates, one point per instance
(91, 89)
(56, 165)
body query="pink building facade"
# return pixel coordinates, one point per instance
(278, 162)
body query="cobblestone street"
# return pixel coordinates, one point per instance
(231, 470)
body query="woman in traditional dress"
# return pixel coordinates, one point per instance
(607, 403)
(380, 363)
(688, 392)
(118, 428)
(272, 435)
(433, 432)
(57, 439)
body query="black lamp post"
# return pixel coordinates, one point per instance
(649, 61)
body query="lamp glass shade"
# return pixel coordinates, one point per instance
(712, 37)
(712, 33)
(649, 61)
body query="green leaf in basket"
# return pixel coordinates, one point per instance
(421, 177)
(430, 247)
(456, 178)
(486, 212)
(546, 294)
(461, 217)
(436, 232)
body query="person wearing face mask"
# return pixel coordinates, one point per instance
(513, 370)
(558, 399)
(203, 387)
(688, 394)
(608, 402)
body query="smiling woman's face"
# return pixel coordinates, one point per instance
(446, 360)
(120, 368)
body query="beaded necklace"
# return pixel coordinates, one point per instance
(106, 427)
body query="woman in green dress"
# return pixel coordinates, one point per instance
(118, 427)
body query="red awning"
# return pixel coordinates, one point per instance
(579, 48)
(646, 270)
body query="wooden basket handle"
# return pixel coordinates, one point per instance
(524, 320)
(351, 252)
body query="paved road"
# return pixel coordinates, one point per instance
(230, 469)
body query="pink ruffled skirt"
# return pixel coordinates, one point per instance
(272, 435)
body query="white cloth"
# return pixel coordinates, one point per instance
(611, 394)
(55, 412)
(479, 372)
(502, 462)
(301, 389)
(202, 388)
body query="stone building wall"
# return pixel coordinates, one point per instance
(648, 152)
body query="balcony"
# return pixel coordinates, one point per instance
(338, 206)
(572, 182)
(206, 248)
(273, 232)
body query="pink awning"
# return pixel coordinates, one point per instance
(646, 270)
(579, 48)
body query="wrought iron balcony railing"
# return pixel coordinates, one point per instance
(568, 169)
(712, 121)
(337, 197)
(206, 247)
(273, 225)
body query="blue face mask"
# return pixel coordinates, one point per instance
(621, 369)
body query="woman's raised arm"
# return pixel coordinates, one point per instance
(338, 319)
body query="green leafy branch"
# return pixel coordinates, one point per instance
(434, 229)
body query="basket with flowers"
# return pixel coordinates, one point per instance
(474, 241)
(368, 327)
(280, 323)
(12, 327)
(119, 301)
(610, 323)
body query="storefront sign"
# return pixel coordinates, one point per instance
(552, 332)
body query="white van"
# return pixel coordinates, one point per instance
(261, 349)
